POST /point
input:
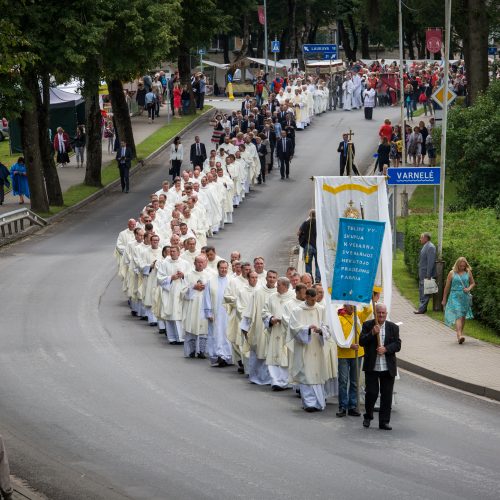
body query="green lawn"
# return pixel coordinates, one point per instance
(408, 287)
(422, 199)
(110, 173)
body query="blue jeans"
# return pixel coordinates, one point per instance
(347, 378)
(310, 252)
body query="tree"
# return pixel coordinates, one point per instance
(473, 151)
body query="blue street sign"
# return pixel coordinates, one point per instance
(202, 51)
(413, 175)
(275, 46)
(329, 56)
(492, 51)
(317, 48)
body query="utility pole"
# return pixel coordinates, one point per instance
(404, 194)
(265, 37)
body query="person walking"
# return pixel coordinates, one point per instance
(62, 147)
(177, 100)
(457, 299)
(19, 177)
(176, 157)
(343, 149)
(198, 153)
(307, 240)
(284, 151)
(79, 143)
(383, 152)
(150, 105)
(124, 159)
(369, 95)
(380, 340)
(4, 181)
(426, 269)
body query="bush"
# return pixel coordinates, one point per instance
(473, 149)
(474, 234)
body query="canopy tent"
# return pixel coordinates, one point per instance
(262, 62)
(66, 110)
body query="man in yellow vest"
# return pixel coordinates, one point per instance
(348, 400)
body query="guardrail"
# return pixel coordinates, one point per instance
(18, 221)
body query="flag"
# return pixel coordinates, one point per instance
(433, 40)
(354, 198)
(262, 14)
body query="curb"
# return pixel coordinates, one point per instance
(105, 189)
(456, 383)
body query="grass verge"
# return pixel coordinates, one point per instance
(110, 173)
(422, 199)
(408, 287)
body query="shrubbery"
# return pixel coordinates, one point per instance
(474, 234)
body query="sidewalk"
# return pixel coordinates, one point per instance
(70, 175)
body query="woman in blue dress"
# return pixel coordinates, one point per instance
(19, 178)
(457, 299)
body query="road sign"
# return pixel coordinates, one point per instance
(438, 96)
(492, 51)
(402, 176)
(329, 56)
(275, 46)
(318, 48)
(202, 52)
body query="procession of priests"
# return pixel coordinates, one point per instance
(270, 326)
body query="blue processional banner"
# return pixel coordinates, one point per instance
(358, 253)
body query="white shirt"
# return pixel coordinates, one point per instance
(177, 155)
(381, 363)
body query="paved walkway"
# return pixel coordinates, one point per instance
(70, 175)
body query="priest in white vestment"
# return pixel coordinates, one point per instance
(219, 347)
(170, 275)
(273, 313)
(151, 280)
(194, 322)
(309, 332)
(124, 238)
(347, 90)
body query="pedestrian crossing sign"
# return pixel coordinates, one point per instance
(275, 46)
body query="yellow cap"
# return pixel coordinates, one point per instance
(377, 289)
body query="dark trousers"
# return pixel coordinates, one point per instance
(124, 177)
(272, 158)
(2, 195)
(198, 162)
(343, 168)
(376, 382)
(284, 166)
(151, 111)
(176, 168)
(368, 113)
(200, 100)
(343, 163)
(262, 176)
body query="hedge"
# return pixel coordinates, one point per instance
(474, 234)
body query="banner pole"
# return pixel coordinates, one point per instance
(356, 341)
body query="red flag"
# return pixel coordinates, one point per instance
(433, 40)
(262, 15)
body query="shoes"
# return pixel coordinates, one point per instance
(385, 427)
(310, 409)
(462, 340)
(192, 355)
(133, 313)
(201, 355)
(278, 388)
(282, 178)
(419, 312)
(173, 343)
(179, 342)
(341, 413)
(353, 412)
(144, 318)
(126, 190)
(366, 423)
(241, 370)
(153, 324)
(162, 331)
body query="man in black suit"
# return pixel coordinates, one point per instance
(284, 150)
(262, 152)
(246, 101)
(124, 159)
(343, 149)
(198, 153)
(381, 341)
(271, 136)
(282, 114)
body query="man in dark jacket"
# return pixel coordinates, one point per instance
(124, 159)
(284, 151)
(198, 153)
(307, 240)
(380, 339)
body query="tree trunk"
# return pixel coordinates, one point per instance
(292, 10)
(31, 147)
(185, 75)
(365, 46)
(245, 40)
(121, 114)
(50, 174)
(346, 42)
(93, 126)
(409, 43)
(476, 48)
(260, 43)
(352, 27)
(225, 47)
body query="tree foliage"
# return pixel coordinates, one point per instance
(472, 149)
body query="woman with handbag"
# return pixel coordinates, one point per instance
(176, 157)
(458, 304)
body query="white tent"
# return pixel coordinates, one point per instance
(270, 62)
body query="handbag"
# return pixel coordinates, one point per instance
(469, 295)
(430, 286)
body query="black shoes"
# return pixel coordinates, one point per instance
(192, 355)
(366, 423)
(278, 388)
(133, 313)
(353, 412)
(144, 318)
(385, 427)
(162, 331)
(310, 409)
(341, 413)
(201, 355)
(419, 312)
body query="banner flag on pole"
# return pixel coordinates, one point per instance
(356, 263)
(350, 198)
(262, 15)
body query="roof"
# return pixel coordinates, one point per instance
(216, 65)
(61, 99)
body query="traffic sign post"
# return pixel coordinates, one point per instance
(329, 56)
(318, 48)
(275, 46)
(438, 96)
(201, 52)
(408, 176)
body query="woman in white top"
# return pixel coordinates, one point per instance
(176, 157)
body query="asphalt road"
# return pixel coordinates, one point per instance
(94, 404)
